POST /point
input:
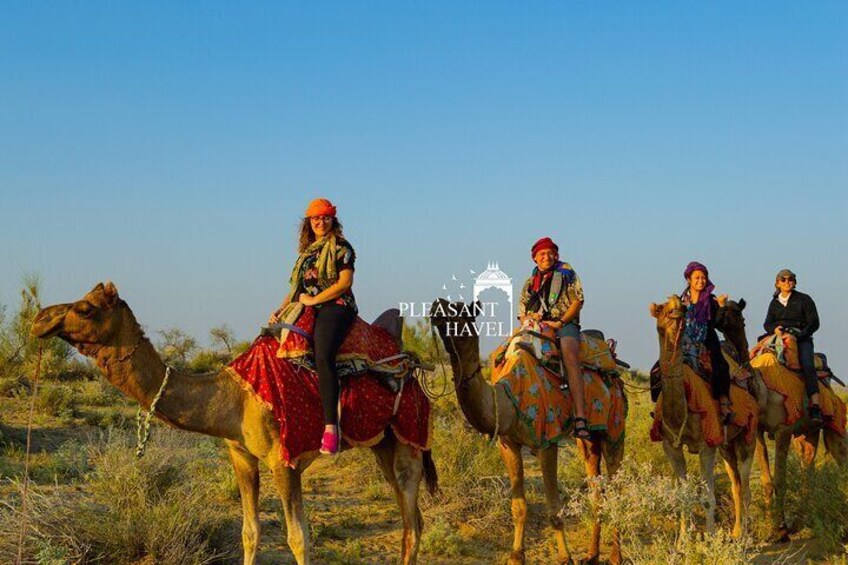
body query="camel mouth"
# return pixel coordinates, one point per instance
(48, 322)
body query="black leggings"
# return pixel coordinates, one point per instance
(332, 322)
(720, 379)
(808, 366)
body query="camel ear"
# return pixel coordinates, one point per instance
(742, 304)
(655, 309)
(110, 291)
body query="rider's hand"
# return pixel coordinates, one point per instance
(555, 324)
(306, 299)
(722, 300)
(778, 330)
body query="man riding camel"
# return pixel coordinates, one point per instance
(553, 296)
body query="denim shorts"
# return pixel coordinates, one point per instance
(569, 330)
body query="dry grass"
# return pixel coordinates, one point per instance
(91, 501)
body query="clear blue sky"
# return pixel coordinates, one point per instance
(172, 148)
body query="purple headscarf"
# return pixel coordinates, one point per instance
(702, 308)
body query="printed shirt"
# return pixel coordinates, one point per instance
(312, 285)
(694, 335)
(572, 291)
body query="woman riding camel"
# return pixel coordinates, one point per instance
(322, 278)
(553, 296)
(795, 313)
(704, 314)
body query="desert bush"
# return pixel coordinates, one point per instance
(18, 350)
(150, 509)
(207, 360)
(817, 499)
(97, 392)
(645, 504)
(56, 400)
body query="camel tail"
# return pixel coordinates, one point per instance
(430, 475)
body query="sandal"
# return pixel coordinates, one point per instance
(581, 431)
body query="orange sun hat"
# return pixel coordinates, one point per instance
(320, 207)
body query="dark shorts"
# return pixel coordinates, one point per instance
(569, 330)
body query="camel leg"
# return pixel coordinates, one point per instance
(511, 455)
(548, 463)
(781, 452)
(288, 483)
(765, 470)
(384, 452)
(246, 468)
(591, 453)
(836, 446)
(408, 469)
(707, 459)
(612, 455)
(678, 465)
(737, 462)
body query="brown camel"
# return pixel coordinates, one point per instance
(682, 427)
(490, 411)
(773, 422)
(102, 326)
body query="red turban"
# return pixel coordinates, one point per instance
(544, 243)
(320, 207)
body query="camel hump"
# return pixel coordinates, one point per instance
(392, 322)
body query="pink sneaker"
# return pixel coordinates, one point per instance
(330, 443)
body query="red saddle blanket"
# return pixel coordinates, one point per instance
(364, 341)
(291, 393)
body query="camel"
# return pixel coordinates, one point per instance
(490, 411)
(772, 421)
(101, 325)
(682, 427)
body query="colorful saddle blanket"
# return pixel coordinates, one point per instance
(699, 396)
(290, 392)
(786, 382)
(540, 340)
(785, 350)
(545, 409)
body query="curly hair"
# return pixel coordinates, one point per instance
(307, 236)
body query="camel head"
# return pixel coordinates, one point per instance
(734, 327)
(455, 323)
(670, 316)
(99, 318)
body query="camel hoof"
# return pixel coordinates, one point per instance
(779, 535)
(516, 558)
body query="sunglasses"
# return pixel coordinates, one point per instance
(786, 279)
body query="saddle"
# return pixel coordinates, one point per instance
(785, 349)
(596, 353)
(375, 348)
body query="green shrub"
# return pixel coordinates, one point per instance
(56, 400)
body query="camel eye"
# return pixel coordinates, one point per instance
(84, 309)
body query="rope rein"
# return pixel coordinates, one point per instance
(142, 431)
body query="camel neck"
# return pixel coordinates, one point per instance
(200, 403)
(671, 369)
(474, 394)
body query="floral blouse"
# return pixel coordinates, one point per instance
(312, 285)
(572, 291)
